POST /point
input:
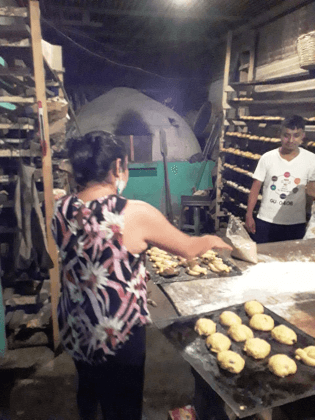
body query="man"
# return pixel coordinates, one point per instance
(286, 174)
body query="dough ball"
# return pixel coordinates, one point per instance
(310, 351)
(218, 342)
(307, 355)
(240, 332)
(253, 307)
(231, 361)
(261, 322)
(257, 348)
(281, 365)
(229, 318)
(204, 326)
(284, 334)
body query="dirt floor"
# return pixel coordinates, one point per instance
(35, 385)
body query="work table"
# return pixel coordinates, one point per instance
(203, 295)
(283, 281)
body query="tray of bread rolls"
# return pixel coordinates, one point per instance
(253, 358)
(168, 268)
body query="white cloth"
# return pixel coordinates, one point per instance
(283, 197)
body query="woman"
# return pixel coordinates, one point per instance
(102, 238)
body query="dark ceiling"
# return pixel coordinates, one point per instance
(126, 42)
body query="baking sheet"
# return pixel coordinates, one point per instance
(255, 388)
(183, 276)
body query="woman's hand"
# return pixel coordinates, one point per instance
(217, 242)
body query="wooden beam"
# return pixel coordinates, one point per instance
(46, 160)
(224, 104)
(176, 14)
(74, 22)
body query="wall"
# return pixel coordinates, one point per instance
(148, 184)
(276, 52)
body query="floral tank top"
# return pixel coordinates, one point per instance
(103, 286)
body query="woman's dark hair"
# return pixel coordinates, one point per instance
(295, 121)
(93, 155)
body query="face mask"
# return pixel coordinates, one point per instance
(120, 185)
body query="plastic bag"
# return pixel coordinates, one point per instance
(310, 229)
(244, 247)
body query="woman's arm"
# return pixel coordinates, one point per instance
(149, 226)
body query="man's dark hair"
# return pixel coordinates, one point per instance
(295, 121)
(93, 155)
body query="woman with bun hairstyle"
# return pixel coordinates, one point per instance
(102, 312)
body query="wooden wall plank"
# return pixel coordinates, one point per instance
(46, 159)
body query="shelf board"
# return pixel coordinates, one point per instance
(10, 203)
(5, 179)
(228, 199)
(16, 126)
(236, 187)
(15, 72)
(296, 101)
(244, 137)
(17, 99)
(9, 11)
(236, 154)
(17, 153)
(11, 141)
(16, 44)
(15, 31)
(242, 173)
(274, 81)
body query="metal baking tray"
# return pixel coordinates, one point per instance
(183, 276)
(255, 388)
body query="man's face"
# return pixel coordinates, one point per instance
(291, 139)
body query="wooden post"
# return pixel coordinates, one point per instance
(225, 106)
(46, 159)
(131, 138)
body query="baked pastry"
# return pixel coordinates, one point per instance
(231, 361)
(307, 355)
(253, 307)
(261, 322)
(284, 335)
(218, 342)
(257, 348)
(281, 365)
(205, 326)
(240, 332)
(229, 318)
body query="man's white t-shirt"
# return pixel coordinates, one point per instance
(283, 196)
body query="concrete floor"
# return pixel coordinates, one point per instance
(35, 385)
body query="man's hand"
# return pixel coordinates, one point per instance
(250, 223)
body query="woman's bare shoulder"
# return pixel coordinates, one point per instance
(138, 205)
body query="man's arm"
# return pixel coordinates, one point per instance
(252, 201)
(310, 189)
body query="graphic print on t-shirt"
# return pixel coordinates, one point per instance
(283, 185)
